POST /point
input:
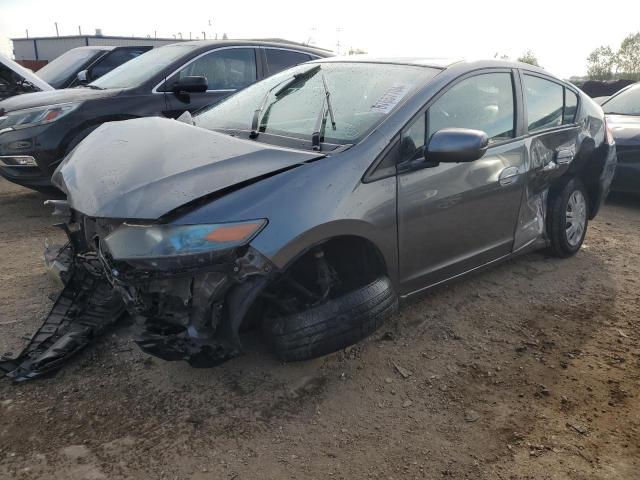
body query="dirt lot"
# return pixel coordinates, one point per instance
(527, 371)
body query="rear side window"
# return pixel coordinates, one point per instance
(278, 60)
(113, 60)
(483, 102)
(570, 106)
(545, 101)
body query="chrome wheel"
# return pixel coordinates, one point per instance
(576, 218)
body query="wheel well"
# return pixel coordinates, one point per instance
(356, 261)
(326, 270)
(587, 166)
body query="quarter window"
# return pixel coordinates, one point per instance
(544, 103)
(483, 102)
(278, 60)
(570, 106)
(228, 69)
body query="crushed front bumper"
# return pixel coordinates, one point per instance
(84, 309)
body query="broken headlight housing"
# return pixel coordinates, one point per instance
(144, 242)
(31, 117)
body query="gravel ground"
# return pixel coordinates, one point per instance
(526, 371)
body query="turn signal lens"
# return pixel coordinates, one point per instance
(233, 233)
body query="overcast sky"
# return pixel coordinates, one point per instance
(560, 32)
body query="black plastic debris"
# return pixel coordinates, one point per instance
(84, 309)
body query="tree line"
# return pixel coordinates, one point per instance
(605, 63)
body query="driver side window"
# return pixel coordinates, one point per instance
(226, 69)
(483, 102)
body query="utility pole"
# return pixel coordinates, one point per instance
(79, 30)
(155, 34)
(27, 30)
(57, 33)
(204, 35)
(189, 35)
(180, 33)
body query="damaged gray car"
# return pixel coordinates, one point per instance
(309, 203)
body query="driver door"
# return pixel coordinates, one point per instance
(454, 217)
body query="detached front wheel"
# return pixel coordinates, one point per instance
(568, 218)
(333, 325)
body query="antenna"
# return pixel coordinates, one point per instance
(57, 33)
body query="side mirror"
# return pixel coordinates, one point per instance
(190, 85)
(83, 77)
(454, 145)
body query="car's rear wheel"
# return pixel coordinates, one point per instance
(567, 218)
(333, 325)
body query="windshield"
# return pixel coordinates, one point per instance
(57, 71)
(625, 103)
(137, 71)
(361, 96)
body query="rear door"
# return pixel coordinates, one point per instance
(550, 109)
(455, 217)
(226, 69)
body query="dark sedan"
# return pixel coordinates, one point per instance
(85, 64)
(310, 202)
(37, 130)
(623, 117)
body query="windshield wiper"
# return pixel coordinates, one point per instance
(92, 87)
(290, 81)
(321, 123)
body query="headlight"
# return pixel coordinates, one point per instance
(162, 241)
(31, 117)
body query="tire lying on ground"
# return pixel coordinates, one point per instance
(567, 218)
(334, 325)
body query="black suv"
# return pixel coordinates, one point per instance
(37, 130)
(82, 65)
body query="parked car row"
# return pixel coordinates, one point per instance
(623, 115)
(38, 130)
(307, 204)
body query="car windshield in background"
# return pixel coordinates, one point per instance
(361, 96)
(140, 69)
(626, 103)
(58, 70)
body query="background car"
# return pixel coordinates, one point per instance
(623, 117)
(308, 203)
(38, 130)
(16, 79)
(83, 65)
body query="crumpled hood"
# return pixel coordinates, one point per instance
(147, 167)
(625, 129)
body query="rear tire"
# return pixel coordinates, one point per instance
(334, 325)
(567, 218)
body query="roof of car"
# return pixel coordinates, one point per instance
(262, 43)
(435, 62)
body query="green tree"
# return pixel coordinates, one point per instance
(628, 56)
(530, 58)
(600, 63)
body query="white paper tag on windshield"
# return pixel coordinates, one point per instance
(391, 98)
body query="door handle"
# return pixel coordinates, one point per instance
(508, 176)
